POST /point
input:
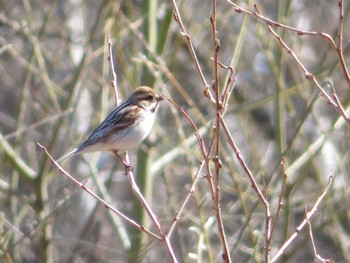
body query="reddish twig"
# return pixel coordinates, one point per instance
(229, 85)
(188, 40)
(303, 223)
(318, 258)
(100, 200)
(336, 105)
(340, 108)
(216, 135)
(178, 19)
(205, 154)
(253, 183)
(307, 74)
(136, 190)
(337, 48)
(268, 236)
(198, 136)
(280, 198)
(190, 192)
(114, 80)
(243, 164)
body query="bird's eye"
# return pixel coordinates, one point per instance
(149, 98)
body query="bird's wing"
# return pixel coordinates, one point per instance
(119, 119)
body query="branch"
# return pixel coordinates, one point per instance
(337, 48)
(114, 81)
(188, 40)
(136, 190)
(101, 201)
(303, 223)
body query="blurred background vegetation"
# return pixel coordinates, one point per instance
(55, 88)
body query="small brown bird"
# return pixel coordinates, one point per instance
(125, 127)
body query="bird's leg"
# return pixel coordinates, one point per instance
(128, 167)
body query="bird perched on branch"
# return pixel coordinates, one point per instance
(125, 127)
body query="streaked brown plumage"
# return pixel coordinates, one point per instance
(125, 127)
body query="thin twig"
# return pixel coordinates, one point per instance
(327, 37)
(187, 37)
(216, 135)
(253, 183)
(205, 153)
(100, 200)
(178, 19)
(200, 141)
(303, 223)
(340, 41)
(136, 190)
(199, 137)
(114, 81)
(243, 164)
(318, 258)
(336, 105)
(280, 198)
(161, 65)
(272, 224)
(336, 99)
(190, 192)
(229, 85)
(307, 74)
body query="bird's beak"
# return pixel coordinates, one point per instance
(160, 98)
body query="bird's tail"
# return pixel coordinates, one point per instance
(66, 156)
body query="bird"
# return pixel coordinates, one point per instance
(125, 127)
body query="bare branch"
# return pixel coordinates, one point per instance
(303, 223)
(114, 81)
(101, 201)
